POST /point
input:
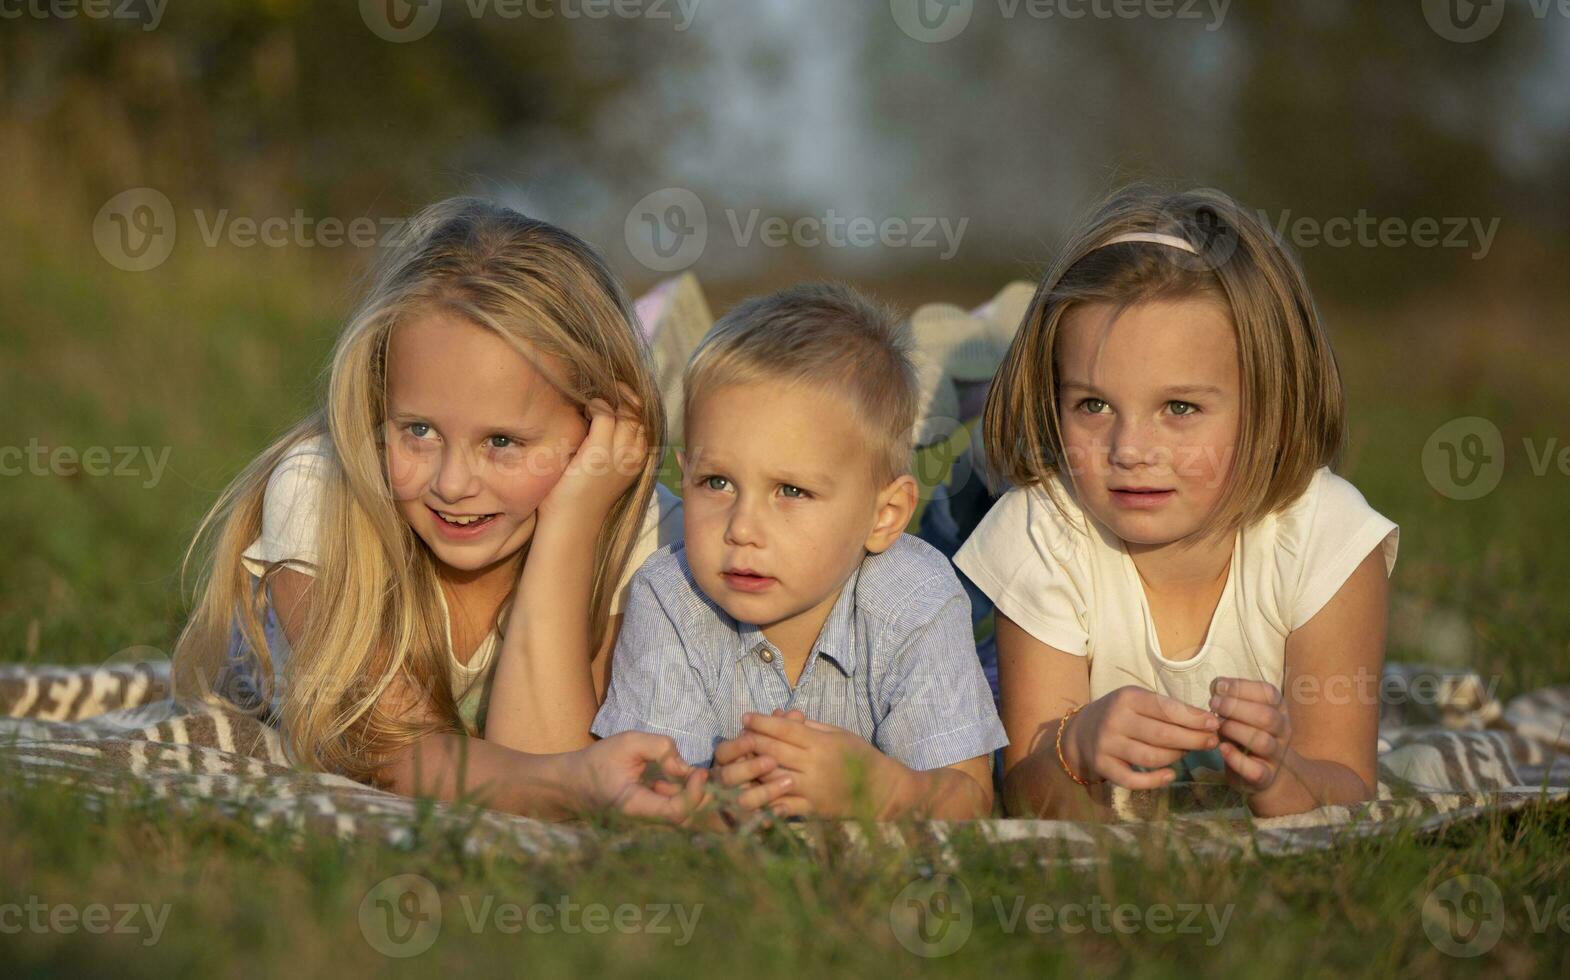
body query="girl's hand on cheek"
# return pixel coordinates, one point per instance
(607, 462)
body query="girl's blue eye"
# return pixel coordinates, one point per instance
(1093, 405)
(1182, 408)
(418, 429)
(500, 442)
(715, 483)
(796, 493)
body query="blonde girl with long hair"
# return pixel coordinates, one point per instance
(420, 583)
(1181, 581)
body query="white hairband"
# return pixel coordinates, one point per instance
(1152, 238)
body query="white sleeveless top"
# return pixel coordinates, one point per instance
(1070, 582)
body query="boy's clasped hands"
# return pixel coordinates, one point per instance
(790, 765)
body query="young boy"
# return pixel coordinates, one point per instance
(798, 634)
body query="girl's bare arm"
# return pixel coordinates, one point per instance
(543, 697)
(1040, 685)
(544, 693)
(451, 766)
(1331, 699)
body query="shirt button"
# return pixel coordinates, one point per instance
(766, 655)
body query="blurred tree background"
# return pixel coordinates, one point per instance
(796, 106)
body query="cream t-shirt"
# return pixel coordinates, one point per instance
(1070, 583)
(291, 512)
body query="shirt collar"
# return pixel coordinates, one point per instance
(837, 639)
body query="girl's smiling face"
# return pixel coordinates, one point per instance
(1148, 400)
(476, 437)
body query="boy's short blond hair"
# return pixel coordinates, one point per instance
(826, 335)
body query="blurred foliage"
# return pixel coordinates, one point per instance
(254, 103)
(1301, 110)
(1313, 110)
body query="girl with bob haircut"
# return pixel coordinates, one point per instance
(1176, 552)
(420, 582)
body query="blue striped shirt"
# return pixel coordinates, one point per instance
(895, 663)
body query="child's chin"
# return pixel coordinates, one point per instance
(1150, 530)
(466, 557)
(753, 610)
(457, 559)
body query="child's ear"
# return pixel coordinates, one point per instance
(896, 504)
(681, 460)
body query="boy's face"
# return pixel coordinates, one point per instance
(780, 503)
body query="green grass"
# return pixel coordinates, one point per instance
(216, 351)
(239, 901)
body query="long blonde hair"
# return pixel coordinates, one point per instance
(376, 617)
(1293, 406)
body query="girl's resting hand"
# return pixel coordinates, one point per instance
(1133, 726)
(612, 773)
(605, 464)
(1256, 729)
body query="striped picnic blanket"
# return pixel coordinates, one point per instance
(1452, 755)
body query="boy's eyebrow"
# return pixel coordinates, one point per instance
(805, 479)
(706, 461)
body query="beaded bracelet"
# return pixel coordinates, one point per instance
(1061, 760)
